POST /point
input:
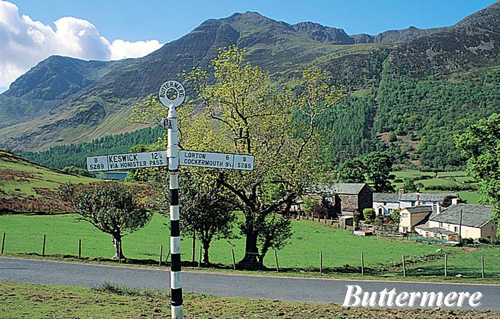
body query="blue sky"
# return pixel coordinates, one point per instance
(32, 30)
(166, 20)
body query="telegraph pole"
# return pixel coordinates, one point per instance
(172, 95)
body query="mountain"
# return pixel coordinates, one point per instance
(421, 85)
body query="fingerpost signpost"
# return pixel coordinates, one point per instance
(171, 95)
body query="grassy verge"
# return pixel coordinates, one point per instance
(109, 301)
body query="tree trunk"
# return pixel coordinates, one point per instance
(117, 242)
(250, 260)
(206, 246)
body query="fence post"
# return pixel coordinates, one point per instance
(119, 252)
(234, 259)
(404, 266)
(276, 260)
(193, 251)
(362, 264)
(3, 242)
(79, 249)
(166, 259)
(161, 255)
(320, 261)
(43, 245)
(446, 265)
(199, 260)
(482, 266)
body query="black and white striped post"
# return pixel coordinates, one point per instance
(172, 95)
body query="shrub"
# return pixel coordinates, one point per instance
(369, 214)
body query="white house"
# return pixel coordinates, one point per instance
(385, 203)
(474, 222)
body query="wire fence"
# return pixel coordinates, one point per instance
(469, 262)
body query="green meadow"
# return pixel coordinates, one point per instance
(24, 236)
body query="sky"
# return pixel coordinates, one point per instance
(32, 30)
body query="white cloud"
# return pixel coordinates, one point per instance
(123, 49)
(24, 42)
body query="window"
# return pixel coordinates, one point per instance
(412, 203)
(390, 210)
(404, 215)
(440, 225)
(456, 229)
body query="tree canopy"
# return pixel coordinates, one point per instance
(111, 207)
(246, 112)
(480, 143)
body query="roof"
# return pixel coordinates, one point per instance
(341, 188)
(427, 197)
(386, 197)
(472, 215)
(419, 209)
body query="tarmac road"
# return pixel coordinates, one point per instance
(220, 284)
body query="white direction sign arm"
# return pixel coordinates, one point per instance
(126, 161)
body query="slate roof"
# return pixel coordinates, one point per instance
(472, 215)
(419, 209)
(341, 188)
(386, 197)
(427, 197)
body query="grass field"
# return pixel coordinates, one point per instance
(450, 179)
(24, 235)
(23, 300)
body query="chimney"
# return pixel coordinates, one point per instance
(401, 191)
(454, 201)
(438, 208)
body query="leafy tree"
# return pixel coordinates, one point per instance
(378, 169)
(207, 209)
(396, 216)
(319, 210)
(480, 143)
(392, 137)
(409, 185)
(351, 171)
(369, 214)
(111, 207)
(245, 112)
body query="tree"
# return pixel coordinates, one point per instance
(378, 169)
(351, 171)
(369, 214)
(409, 185)
(245, 112)
(480, 144)
(207, 209)
(111, 207)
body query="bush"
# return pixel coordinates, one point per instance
(395, 216)
(369, 214)
(467, 241)
(483, 240)
(357, 216)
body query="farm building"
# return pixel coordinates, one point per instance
(346, 198)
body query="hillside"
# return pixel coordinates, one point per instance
(422, 85)
(28, 187)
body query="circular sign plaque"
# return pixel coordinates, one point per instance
(171, 93)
